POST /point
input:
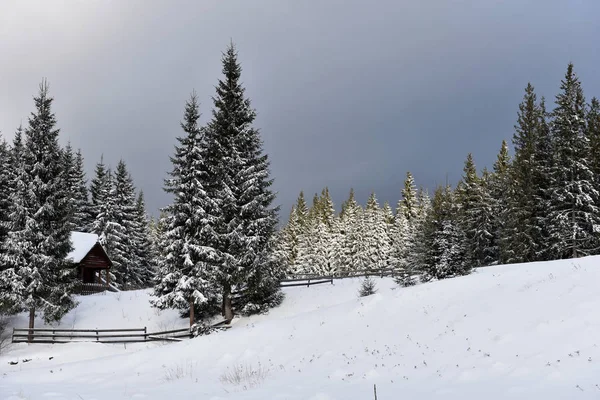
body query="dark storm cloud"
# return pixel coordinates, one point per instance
(348, 93)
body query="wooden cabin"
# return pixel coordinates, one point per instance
(92, 263)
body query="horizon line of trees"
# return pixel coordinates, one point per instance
(541, 204)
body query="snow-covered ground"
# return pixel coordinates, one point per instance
(510, 332)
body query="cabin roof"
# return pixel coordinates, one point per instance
(82, 244)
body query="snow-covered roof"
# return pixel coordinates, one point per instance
(82, 244)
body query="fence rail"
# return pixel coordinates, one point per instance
(293, 278)
(132, 335)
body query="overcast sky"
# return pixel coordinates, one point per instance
(349, 93)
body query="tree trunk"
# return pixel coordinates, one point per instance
(227, 307)
(191, 312)
(31, 324)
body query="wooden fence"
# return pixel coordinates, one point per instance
(314, 279)
(90, 288)
(133, 335)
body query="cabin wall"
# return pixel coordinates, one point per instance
(96, 259)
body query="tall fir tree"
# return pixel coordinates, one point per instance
(98, 193)
(445, 255)
(376, 242)
(574, 198)
(500, 191)
(186, 258)
(522, 232)
(77, 189)
(142, 239)
(474, 216)
(407, 222)
(593, 134)
(38, 241)
(240, 182)
(542, 176)
(128, 271)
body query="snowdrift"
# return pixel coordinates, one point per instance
(508, 332)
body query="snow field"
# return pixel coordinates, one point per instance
(519, 332)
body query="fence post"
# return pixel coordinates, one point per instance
(53, 335)
(97, 335)
(13, 336)
(145, 334)
(308, 283)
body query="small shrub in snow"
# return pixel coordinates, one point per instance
(202, 328)
(180, 371)
(367, 287)
(246, 375)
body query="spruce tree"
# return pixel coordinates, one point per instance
(104, 224)
(143, 246)
(475, 216)
(543, 155)
(77, 189)
(6, 273)
(522, 233)
(6, 181)
(38, 241)
(574, 199)
(98, 193)
(407, 242)
(376, 242)
(186, 258)
(500, 190)
(348, 255)
(241, 184)
(445, 253)
(593, 134)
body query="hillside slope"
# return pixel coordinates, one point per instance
(519, 332)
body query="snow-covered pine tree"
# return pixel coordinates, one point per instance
(376, 240)
(144, 247)
(574, 199)
(474, 216)
(240, 182)
(543, 155)
(6, 180)
(287, 242)
(593, 134)
(98, 193)
(367, 287)
(6, 274)
(104, 222)
(421, 239)
(38, 241)
(313, 248)
(487, 251)
(521, 233)
(391, 235)
(185, 278)
(446, 253)
(301, 208)
(332, 232)
(500, 189)
(10, 285)
(129, 272)
(77, 189)
(406, 241)
(350, 225)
